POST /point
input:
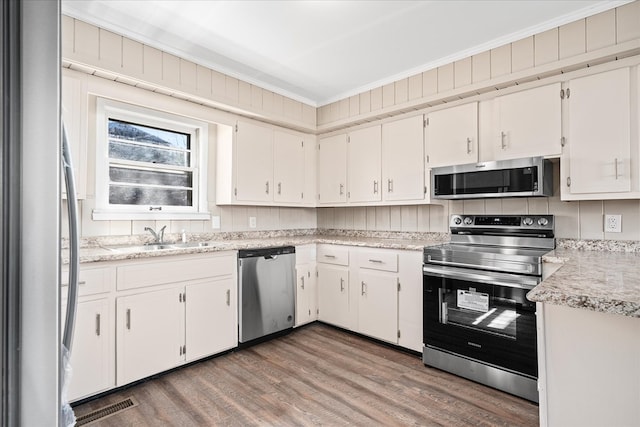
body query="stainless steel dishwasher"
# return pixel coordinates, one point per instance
(267, 291)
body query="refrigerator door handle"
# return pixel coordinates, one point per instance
(74, 260)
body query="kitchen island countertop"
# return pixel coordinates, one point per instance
(602, 281)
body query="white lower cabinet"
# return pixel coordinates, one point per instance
(210, 318)
(375, 292)
(150, 334)
(378, 305)
(333, 294)
(306, 285)
(91, 356)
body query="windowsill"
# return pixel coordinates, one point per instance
(102, 215)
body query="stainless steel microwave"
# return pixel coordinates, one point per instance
(529, 177)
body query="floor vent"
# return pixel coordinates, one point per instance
(105, 412)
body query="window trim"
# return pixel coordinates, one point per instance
(109, 109)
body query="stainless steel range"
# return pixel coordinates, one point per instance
(477, 321)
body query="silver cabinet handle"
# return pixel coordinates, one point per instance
(329, 256)
(98, 324)
(228, 297)
(502, 143)
(468, 145)
(341, 284)
(377, 261)
(616, 166)
(375, 187)
(341, 189)
(267, 185)
(302, 282)
(389, 186)
(128, 318)
(279, 188)
(363, 288)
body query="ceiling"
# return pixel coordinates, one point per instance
(318, 52)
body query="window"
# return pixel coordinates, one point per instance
(149, 164)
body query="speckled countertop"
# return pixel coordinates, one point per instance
(115, 249)
(604, 281)
(602, 276)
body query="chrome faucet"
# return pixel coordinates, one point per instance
(159, 236)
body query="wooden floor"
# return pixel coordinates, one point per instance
(317, 375)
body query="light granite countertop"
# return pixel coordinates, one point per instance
(593, 275)
(603, 281)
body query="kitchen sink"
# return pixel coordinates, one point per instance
(157, 247)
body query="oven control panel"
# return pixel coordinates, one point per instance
(502, 222)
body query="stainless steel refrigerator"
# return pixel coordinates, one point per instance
(30, 212)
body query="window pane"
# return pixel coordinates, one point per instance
(127, 195)
(141, 153)
(140, 176)
(149, 135)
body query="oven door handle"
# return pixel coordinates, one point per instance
(500, 279)
(430, 260)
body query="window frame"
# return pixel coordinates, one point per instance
(107, 109)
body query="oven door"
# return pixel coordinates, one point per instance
(481, 315)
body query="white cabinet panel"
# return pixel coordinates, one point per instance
(332, 169)
(452, 136)
(92, 360)
(378, 305)
(254, 163)
(210, 318)
(288, 167)
(528, 123)
(403, 160)
(364, 164)
(599, 140)
(306, 294)
(410, 300)
(150, 334)
(333, 294)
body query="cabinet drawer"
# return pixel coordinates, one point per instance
(330, 254)
(91, 280)
(385, 261)
(173, 270)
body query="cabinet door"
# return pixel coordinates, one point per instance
(150, 334)
(332, 169)
(410, 300)
(288, 167)
(333, 294)
(452, 136)
(599, 139)
(92, 361)
(306, 294)
(528, 123)
(364, 164)
(403, 159)
(74, 116)
(254, 163)
(378, 305)
(210, 318)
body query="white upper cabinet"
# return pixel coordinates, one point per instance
(599, 134)
(364, 165)
(528, 123)
(263, 165)
(74, 116)
(332, 169)
(288, 167)
(403, 160)
(452, 136)
(254, 163)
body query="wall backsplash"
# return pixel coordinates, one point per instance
(574, 220)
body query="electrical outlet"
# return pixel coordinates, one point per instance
(252, 222)
(613, 223)
(215, 222)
